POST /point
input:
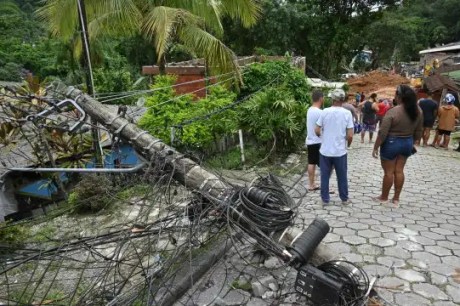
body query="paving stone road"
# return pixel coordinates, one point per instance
(414, 248)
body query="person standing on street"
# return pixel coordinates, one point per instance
(447, 115)
(382, 110)
(335, 126)
(313, 142)
(401, 128)
(357, 98)
(430, 109)
(369, 116)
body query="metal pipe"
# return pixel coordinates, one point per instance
(81, 170)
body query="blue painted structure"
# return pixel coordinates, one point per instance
(122, 156)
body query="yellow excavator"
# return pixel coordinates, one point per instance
(431, 69)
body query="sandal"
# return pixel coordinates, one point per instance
(314, 188)
(395, 203)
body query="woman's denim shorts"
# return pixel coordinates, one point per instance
(394, 146)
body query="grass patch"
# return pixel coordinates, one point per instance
(231, 159)
(14, 234)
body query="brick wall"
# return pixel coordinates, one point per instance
(184, 75)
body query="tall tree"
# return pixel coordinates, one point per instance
(326, 32)
(195, 24)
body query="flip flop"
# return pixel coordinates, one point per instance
(395, 203)
(314, 188)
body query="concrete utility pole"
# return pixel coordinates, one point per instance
(185, 170)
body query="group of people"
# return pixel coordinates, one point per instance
(330, 133)
(371, 113)
(446, 114)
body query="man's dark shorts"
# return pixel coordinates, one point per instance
(444, 132)
(313, 154)
(428, 123)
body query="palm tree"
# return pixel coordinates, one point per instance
(196, 24)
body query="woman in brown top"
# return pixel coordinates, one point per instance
(401, 127)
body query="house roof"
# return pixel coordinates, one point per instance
(20, 153)
(448, 47)
(438, 82)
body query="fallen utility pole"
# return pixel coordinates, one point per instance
(196, 178)
(185, 170)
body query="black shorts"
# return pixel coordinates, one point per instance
(428, 123)
(444, 132)
(313, 154)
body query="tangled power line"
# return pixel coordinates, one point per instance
(136, 254)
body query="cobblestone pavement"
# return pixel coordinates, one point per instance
(414, 248)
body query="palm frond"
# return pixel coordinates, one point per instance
(247, 11)
(220, 59)
(113, 17)
(208, 10)
(60, 24)
(162, 23)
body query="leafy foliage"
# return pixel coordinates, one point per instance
(277, 113)
(327, 33)
(276, 110)
(167, 110)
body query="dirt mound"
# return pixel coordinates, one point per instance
(382, 83)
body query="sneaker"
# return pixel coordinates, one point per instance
(324, 203)
(346, 203)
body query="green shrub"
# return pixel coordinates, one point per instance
(277, 112)
(278, 74)
(91, 194)
(164, 114)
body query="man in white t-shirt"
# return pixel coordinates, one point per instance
(335, 126)
(312, 141)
